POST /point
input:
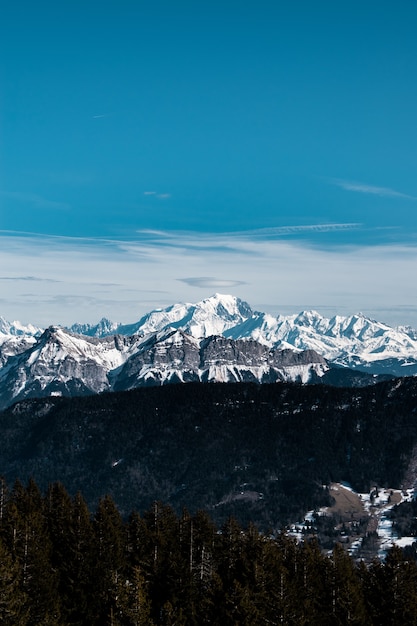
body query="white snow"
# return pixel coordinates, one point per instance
(349, 341)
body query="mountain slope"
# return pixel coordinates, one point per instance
(259, 452)
(63, 363)
(177, 357)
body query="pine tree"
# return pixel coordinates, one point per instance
(12, 598)
(229, 552)
(140, 545)
(311, 580)
(348, 604)
(400, 583)
(28, 539)
(78, 577)
(71, 535)
(109, 557)
(198, 535)
(277, 594)
(4, 493)
(374, 586)
(168, 567)
(133, 603)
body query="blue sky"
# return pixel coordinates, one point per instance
(159, 152)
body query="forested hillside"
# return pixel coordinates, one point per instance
(262, 453)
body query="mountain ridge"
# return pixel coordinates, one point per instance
(217, 339)
(63, 363)
(340, 339)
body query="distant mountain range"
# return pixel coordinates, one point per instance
(219, 339)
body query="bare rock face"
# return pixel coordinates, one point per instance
(173, 358)
(220, 351)
(180, 357)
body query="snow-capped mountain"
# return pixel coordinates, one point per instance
(16, 329)
(15, 338)
(355, 341)
(104, 328)
(218, 339)
(63, 363)
(59, 363)
(212, 316)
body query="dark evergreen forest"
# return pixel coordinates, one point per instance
(259, 453)
(61, 565)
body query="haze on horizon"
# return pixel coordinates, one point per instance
(152, 154)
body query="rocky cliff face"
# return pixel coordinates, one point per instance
(63, 363)
(178, 357)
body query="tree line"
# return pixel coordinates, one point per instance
(62, 565)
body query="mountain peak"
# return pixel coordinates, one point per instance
(17, 329)
(308, 317)
(226, 300)
(103, 328)
(224, 304)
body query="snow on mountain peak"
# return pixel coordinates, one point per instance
(211, 316)
(308, 318)
(354, 341)
(216, 314)
(17, 329)
(103, 328)
(340, 339)
(222, 302)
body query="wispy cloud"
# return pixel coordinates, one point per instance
(28, 279)
(283, 231)
(210, 282)
(350, 185)
(34, 200)
(160, 196)
(18, 236)
(232, 238)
